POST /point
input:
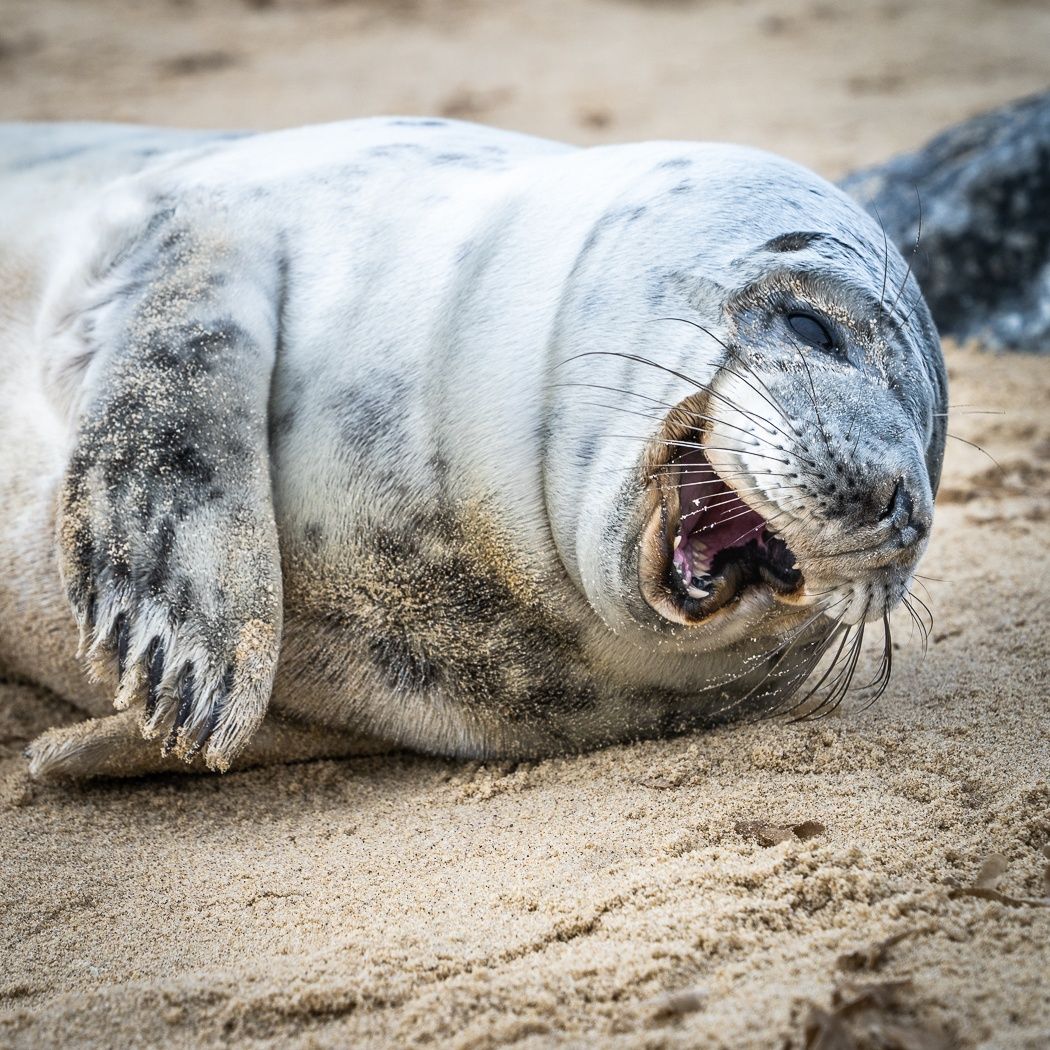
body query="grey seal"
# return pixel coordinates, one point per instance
(970, 210)
(405, 432)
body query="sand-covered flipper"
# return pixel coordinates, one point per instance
(166, 525)
(114, 747)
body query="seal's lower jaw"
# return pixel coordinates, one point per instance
(704, 548)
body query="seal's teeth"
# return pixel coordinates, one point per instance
(696, 592)
(677, 541)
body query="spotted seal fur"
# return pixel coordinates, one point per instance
(416, 433)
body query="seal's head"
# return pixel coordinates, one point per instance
(768, 421)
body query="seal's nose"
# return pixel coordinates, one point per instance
(900, 514)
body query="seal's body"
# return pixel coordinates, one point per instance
(441, 436)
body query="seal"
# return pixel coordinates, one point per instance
(406, 432)
(968, 210)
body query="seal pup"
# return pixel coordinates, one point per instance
(968, 209)
(414, 433)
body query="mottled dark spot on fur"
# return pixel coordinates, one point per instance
(282, 425)
(430, 611)
(53, 157)
(194, 348)
(441, 469)
(111, 566)
(177, 454)
(371, 412)
(542, 432)
(313, 533)
(161, 546)
(674, 162)
(585, 450)
(568, 697)
(478, 161)
(685, 186)
(180, 596)
(791, 242)
(417, 122)
(622, 215)
(395, 150)
(402, 664)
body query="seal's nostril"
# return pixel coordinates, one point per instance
(901, 508)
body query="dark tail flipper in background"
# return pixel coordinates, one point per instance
(983, 260)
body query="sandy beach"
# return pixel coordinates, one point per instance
(873, 879)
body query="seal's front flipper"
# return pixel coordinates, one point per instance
(168, 543)
(114, 747)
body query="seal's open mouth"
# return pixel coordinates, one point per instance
(721, 545)
(705, 546)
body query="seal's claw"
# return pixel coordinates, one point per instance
(186, 697)
(123, 639)
(155, 672)
(193, 690)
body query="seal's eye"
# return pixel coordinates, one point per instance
(811, 329)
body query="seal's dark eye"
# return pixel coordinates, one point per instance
(811, 329)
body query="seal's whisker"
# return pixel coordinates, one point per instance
(638, 359)
(769, 397)
(720, 480)
(736, 406)
(925, 608)
(781, 657)
(837, 630)
(813, 397)
(821, 646)
(830, 670)
(728, 502)
(674, 469)
(917, 621)
(885, 266)
(929, 611)
(882, 681)
(771, 400)
(698, 446)
(733, 498)
(911, 260)
(984, 451)
(654, 415)
(843, 680)
(920, 622)
(783, 509)
(925, 588)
